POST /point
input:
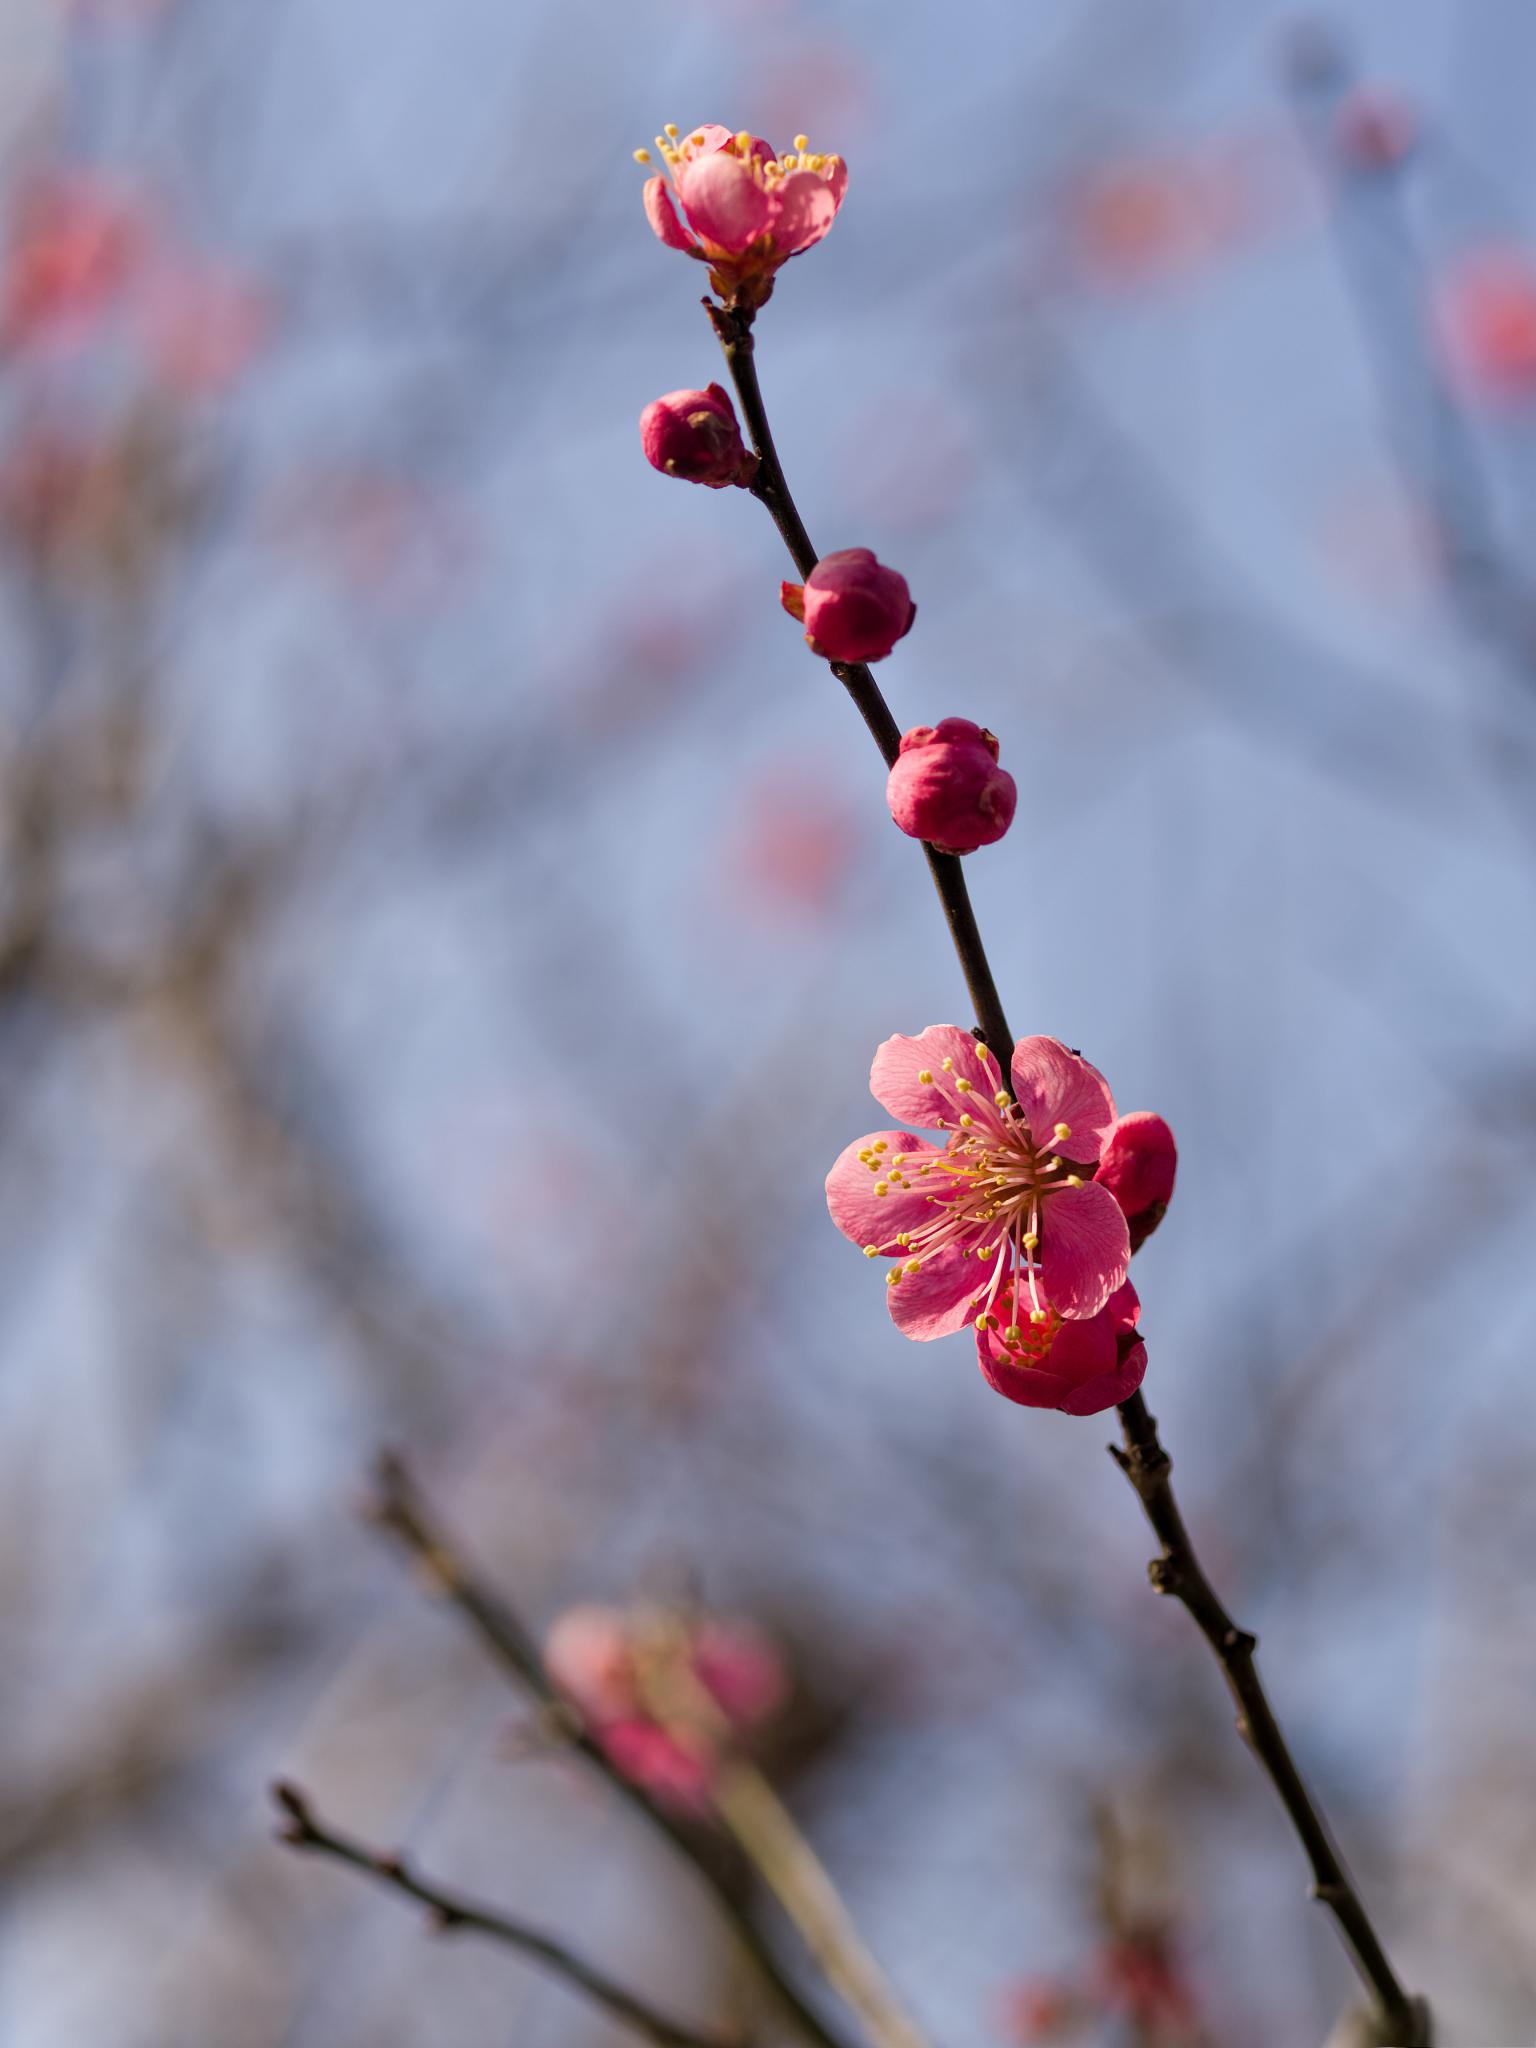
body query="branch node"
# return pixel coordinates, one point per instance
(1165, 1575)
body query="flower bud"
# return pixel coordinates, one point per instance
(945, 786)
(1137, 1165)
(694, 435)
(853, 608)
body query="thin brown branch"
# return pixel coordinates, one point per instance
(449, 1911)
(399, 1508)
(1178, 1572)
(1144, 1461)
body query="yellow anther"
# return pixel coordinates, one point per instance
(913, 1266)
(789, 160)
(871, 1251)
(964, 1086)
(670, 130)
(966, 1120)
(882, 1187)
(1063, 1130)
(661, 143)
(880, 1145)
(697, 135)
(1013, 1334)
(926, 1077)
(1037, 1315)
(802, 142)
(744, 138)
(642, 156)
(903, 1238)
(949, 1066)
(898, 1158)
(1030, 1241)
(893, 1276)
(983, 1322)
(922, 1170)
(1002, 1098)
(1074, 1180)
(985, 1251)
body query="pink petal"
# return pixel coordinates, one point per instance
(804, 207)
(723, 201)
(858, 1211)
(893, 1077)
(938, 1299)
(1084, 1249)
(1124, 1307)
(1057, 1086)
(1082, 1354)
(662, 215)
(1109, 1389)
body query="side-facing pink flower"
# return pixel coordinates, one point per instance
(1006, 1200)
(663, 1693)
(1080, 1368)
(1138, 1166)
(743, 210)
(945, 786)
(853, 607)
(1487, 317)
(694, 435)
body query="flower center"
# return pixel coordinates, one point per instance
(989, 1189)
(677, 150)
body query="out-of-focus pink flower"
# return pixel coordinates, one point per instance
(1042, 2009)
(1374, 130)
(853, 607)
(201, 326)
(1002, 1201)
(1138, 1165)
(1148, 218)
(73, 244)
(945, 786)
(794, 841)
(1487, 316)
(743, 210)
(640, 1679)
(1079, 1367)
(1139, 1978)
(694, 435)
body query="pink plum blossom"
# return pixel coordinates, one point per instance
(74, 241)
(736, 206)
(1079, 1367)
(664, 1693)
(1487, 314)
(945, 786)
(1138, 1165)
(694, 435)
(1005, 1201)
(853, 607)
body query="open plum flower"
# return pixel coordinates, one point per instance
(736, 206)
(1079, 1367)
(1006, 1202)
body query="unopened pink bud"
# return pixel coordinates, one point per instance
(854, 609)
(946, 787)
(694, 435)
(1138, 1165)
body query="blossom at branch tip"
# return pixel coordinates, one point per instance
(945, 786)
(736, 206)
(664, 1694)
(694, 435)
(1138, 1165)
(1079, 1367)
(853, 607)
(1004, 1210)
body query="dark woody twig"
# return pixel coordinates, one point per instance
(1144, 1461)
(450, 1911)
(398, 1508)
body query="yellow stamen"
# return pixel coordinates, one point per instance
(1063, 1130)
(966, 1120)
(893, 1276)
(802, 142)
(1030, 1241)
(871, 1251)
(1013, 1334)
(913, 1266)
(926, 1077)
(948, 1066)
(1001, 1098)
(670, 130)
(881, 1145)
(1074, 1180)
(642, 156)
(1037, 1315)
(964, 1087)
(744, 139)
(882, 1187)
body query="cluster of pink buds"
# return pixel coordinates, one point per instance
(739, 208)
(666, 1694)
(1018, 1222)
